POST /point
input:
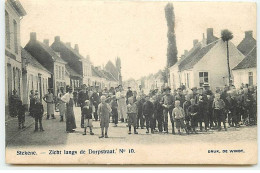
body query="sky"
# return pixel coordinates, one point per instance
(134, 31)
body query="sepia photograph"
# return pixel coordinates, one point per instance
(130, 82)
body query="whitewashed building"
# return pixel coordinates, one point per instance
(246, 71)
(35, 77)
(14, 12)
(205, 63)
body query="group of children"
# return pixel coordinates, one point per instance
(187, 110)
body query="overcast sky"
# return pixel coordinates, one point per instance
(134, 31)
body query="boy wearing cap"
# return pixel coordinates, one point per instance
(104, 111)
(219, 106)
(193, 112)
(87, 113)
(148, 113)
(132, 114)
(178, 116)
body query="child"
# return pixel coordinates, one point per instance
(148, 113)
(193, 112)
(87, 112)
(104, 111)
(38, 113)
(132, 114)
(114, 107)
(179, 115)
(186, 105)
(218, 106)
(21, 114)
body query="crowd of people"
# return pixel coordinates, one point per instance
(189, 110)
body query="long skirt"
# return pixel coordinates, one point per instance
(70, 119)
(62, 108)
(50, 108)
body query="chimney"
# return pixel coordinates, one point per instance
(57, 39)
(209, 35)
(33, 36)
(195, 42)
(68, 44)
(46, 41)
(248, 34)
(76, 48)
(185, 52)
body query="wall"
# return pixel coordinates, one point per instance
(241, 76)
(12, 59)
(215, 62)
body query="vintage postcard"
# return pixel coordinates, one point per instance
(130, 82)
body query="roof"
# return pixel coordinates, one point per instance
(51, 52)
(95, 72)
(18, 7)
(249, 61)
(72, 50)
(195, 56)
(109, 76)
(246, 45)
(31, 60)
(72, 72)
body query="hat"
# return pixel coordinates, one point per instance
(194, 88)
(206, 85)
(129, 87)
(167, 88)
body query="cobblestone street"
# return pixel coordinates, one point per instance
(55, 134)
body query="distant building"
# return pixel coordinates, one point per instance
(14, 12)
(49, 59)
(115, 70)
(35, 77)
(206, 62)
(247, 44)
(246, 71)
(76, 62)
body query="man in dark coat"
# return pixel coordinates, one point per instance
(95, 100)
(13, 103)
(148, 110)
(82, 97)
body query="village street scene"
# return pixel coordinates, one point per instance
(198, 88)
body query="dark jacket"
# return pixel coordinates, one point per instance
(82, 96)
(87, 112)
(38, 109)
(148, 108)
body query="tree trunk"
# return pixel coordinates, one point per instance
(229, 74)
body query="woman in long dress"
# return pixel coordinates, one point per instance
(70, 118)
(62, 105)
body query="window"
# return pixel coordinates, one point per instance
(188, 80)
(203, 78)
(62, 73)
(15, 37)
(250, 78)
(7, 30)
(57, 73)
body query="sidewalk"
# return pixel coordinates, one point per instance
(11, 126)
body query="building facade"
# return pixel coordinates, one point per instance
(50, 60)
(34, 77)
(14, 12)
